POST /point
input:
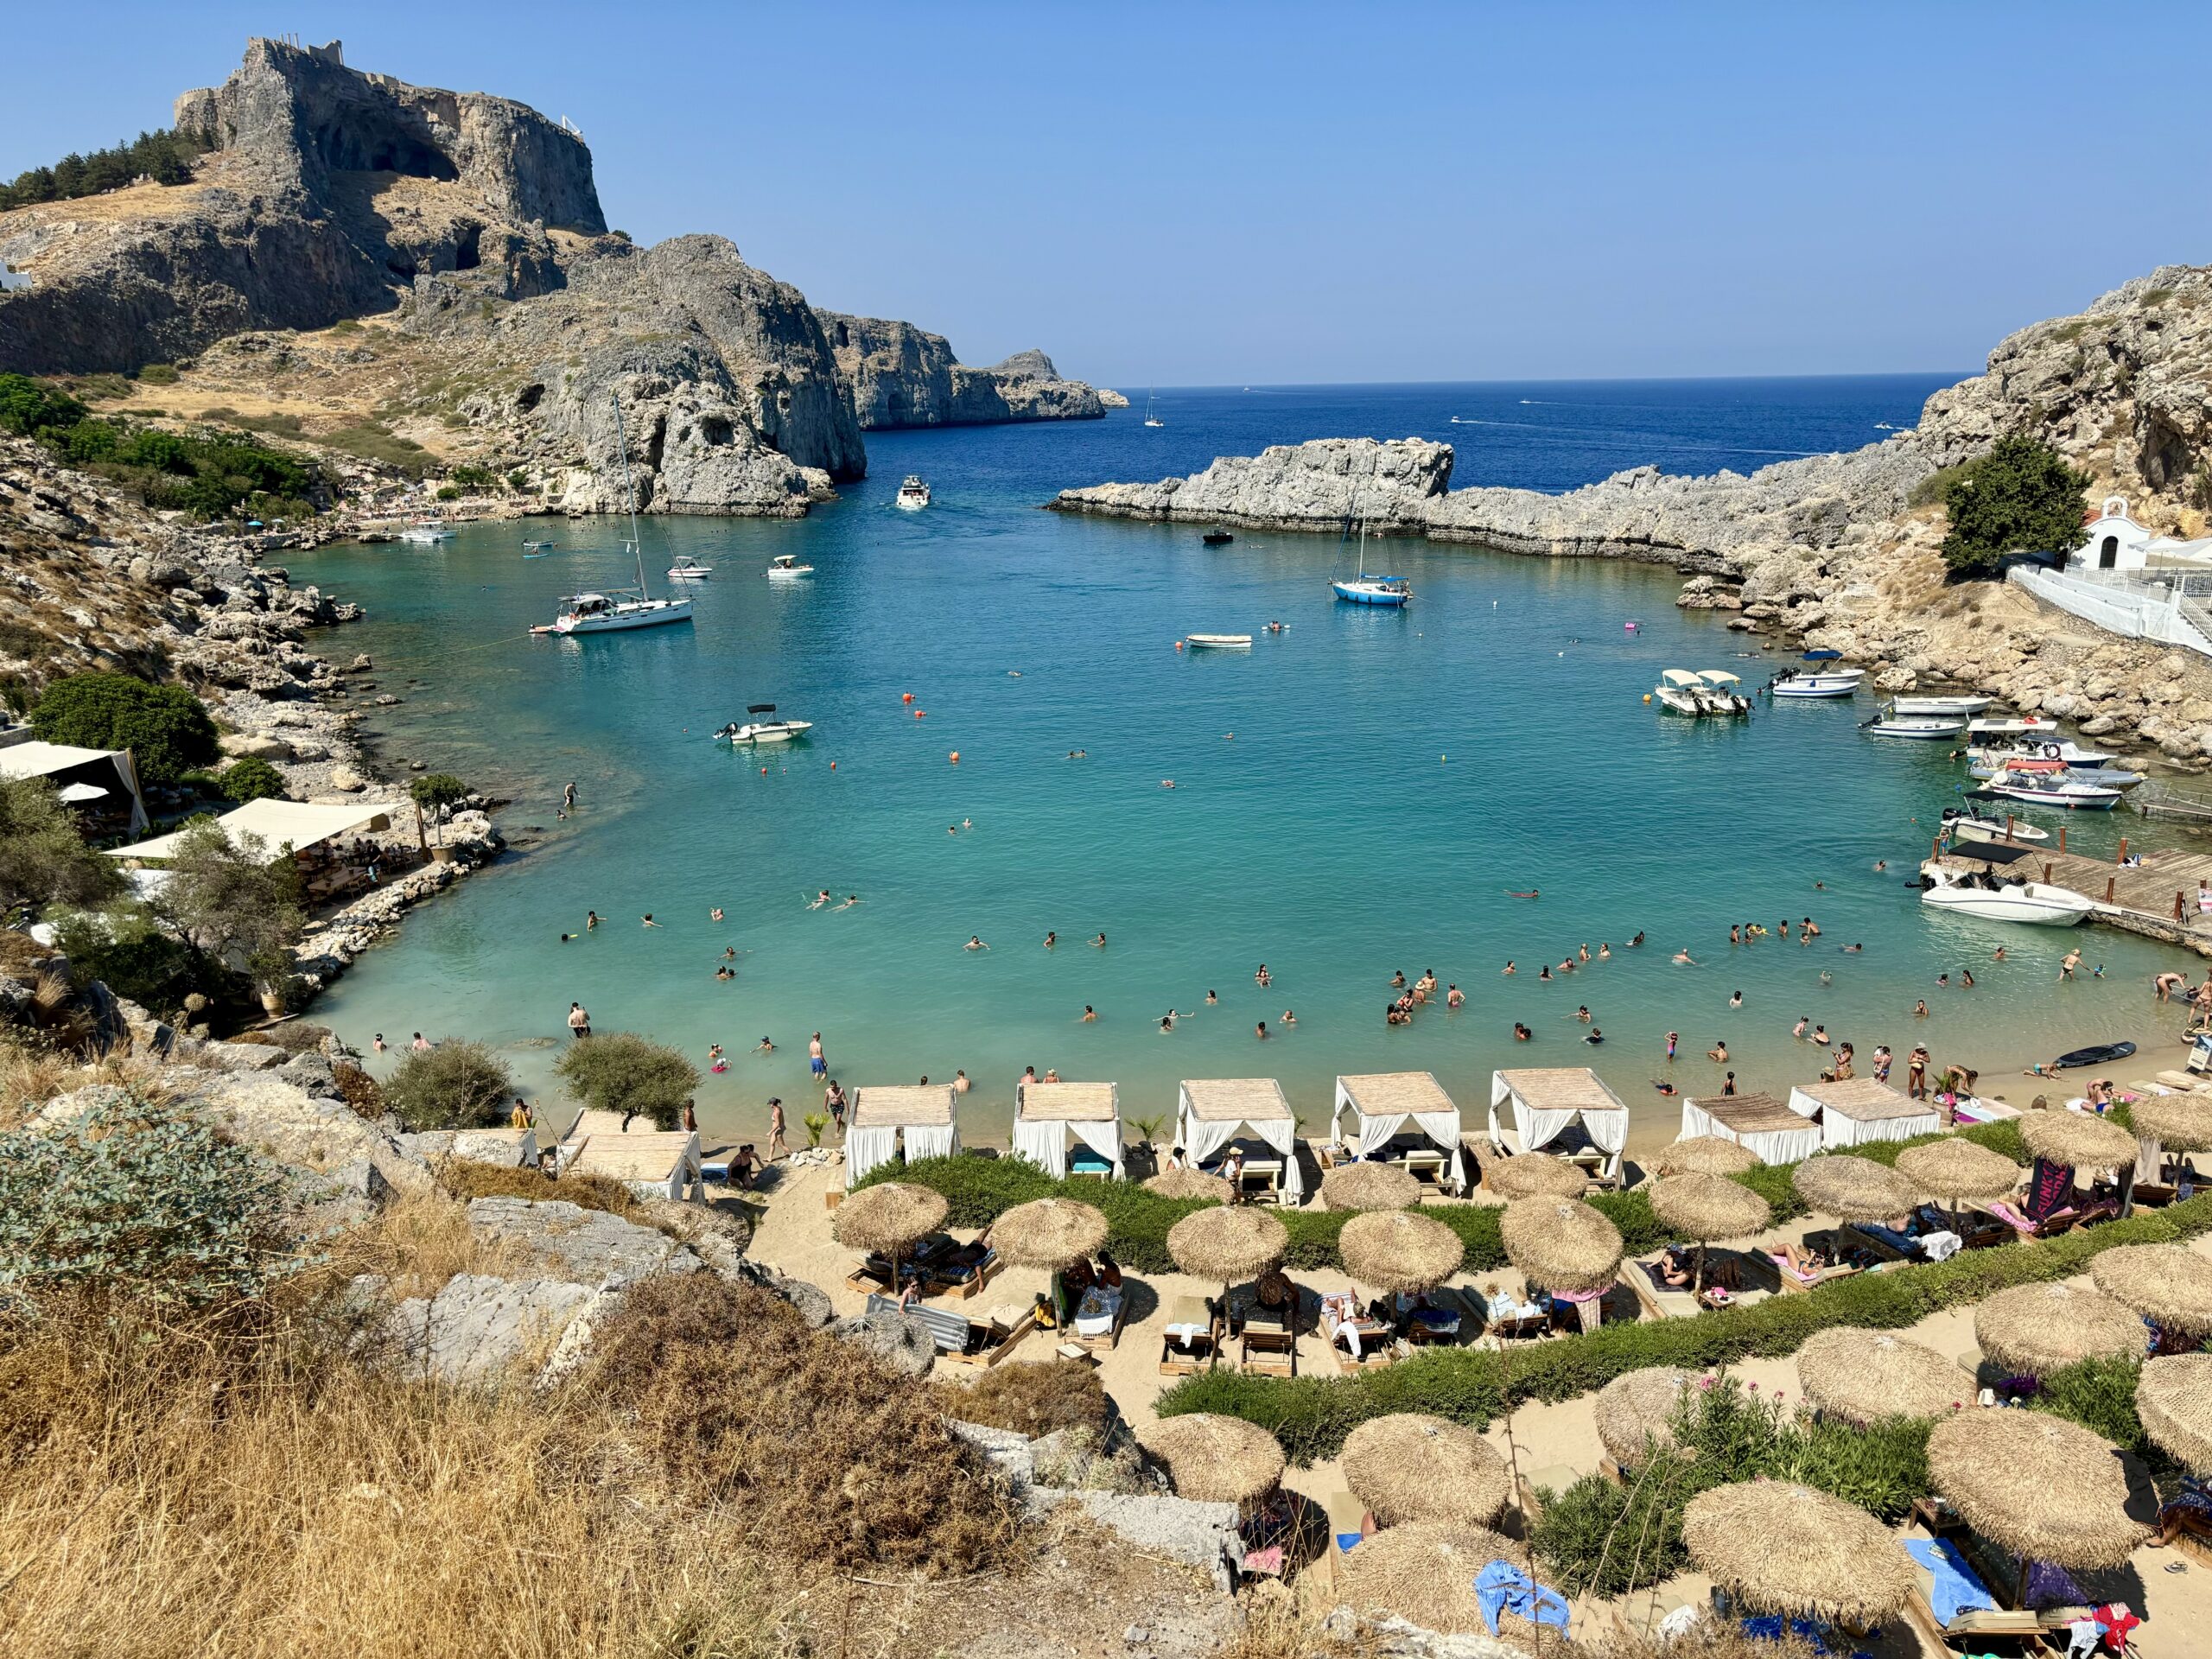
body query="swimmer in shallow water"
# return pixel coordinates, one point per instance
(820, 899)
(975, 943)
(851, 899)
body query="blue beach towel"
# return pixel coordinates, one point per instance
(1503, 1587)
(1772, 1627)
(1957, 1590)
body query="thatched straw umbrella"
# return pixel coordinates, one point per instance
(1707, 1208)
(2173, 1397)
(2182, 1121)
(1214, 1460)
(2169, 1284)
(1705, 1155)
(1369, 1186)
(888, 1218)
(1227, 1242)
(1563, 1246)
(1852, 1189)
(2077, 1140)
(1780, 1548)
(1639, 1407)
(1865, 1376)
(1052, 1233)
(2038, 1329)
(1399, 1253)
(2034, 1484)
(1424, 1572)
(1537, 1175)
(1188, 1183)
(1409, 1467)
(1958, 1171)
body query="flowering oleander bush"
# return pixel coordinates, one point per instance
(133, 1199)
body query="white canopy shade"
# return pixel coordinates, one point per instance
(37, 759)
(1719, 677)
(1046, 1114)
(77, 793)
(1859, 1110)
(922, 1113)
(1546, 1100)
(1681, 676)
(1381, 1103)
(1208, 1111)
(276, 824)
(1760, 1124)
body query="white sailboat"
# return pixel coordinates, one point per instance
(1363, 589)
(1151, 419)
(623, 607)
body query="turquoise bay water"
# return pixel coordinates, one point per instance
(1391, 780)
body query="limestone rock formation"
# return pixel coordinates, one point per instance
(332, 190)
(902, 376)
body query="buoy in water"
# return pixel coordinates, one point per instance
(921, 713)
(1647, 697)
(954, 757)
(1178, 644)
(833, 765)
(764, 771)
(905, 697)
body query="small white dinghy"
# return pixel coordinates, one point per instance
(2031, 902)
(1218, 641)
(1815, 683)
(2018, 726)
(1965, 826)
(786, 567)
(1907, 705)
(1926, 730)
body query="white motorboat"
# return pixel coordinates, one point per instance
(621, 608)
(1983, 764)
(1680, 691)
(1965, 826)
(2016, 726)
(1815, 683)
(1926, 730)
(427, 532)
(539, 547)
(686, 569)
(914, 494)
(1218, 641)
(2033, 902)
(1720, 695)
(1961, 706)
(2027, 748)
(763, 731)
(2040, 789)
(786, 567)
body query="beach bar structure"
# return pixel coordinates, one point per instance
(920, 1115)
(102, 782)
(1548, 1101)
(1046, 1113)
(1208, 1111)
(1381, 1103)
(1760, 1124)
(662, 1164)
(1859, 1110)
(278, 825)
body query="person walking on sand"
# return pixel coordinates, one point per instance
(579, 1021)
(776, 1129)
(833, 1101)
(816, 1065)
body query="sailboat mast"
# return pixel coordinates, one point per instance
(629, 490)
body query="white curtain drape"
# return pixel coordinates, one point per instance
(865, 1149)
(2150, 1160)
(1802, 1103)
(1837, 1130)
(1768, 1146)
(1539, 1126)
(933, 1140)
(1104, 1139)
(1045, 1145)
(1203, 1137)
(1608, 1132)
(1281, 1133)
(1443, 1127)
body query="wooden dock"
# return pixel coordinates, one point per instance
(2155, 898)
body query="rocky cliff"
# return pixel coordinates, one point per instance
(903, 376)
(1842, 550)
(330, 192)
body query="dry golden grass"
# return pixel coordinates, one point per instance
(1030, 1400)
(468, 1178)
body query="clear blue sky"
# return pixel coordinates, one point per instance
(1190, 194)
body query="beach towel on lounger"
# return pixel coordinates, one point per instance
(1503, 1587)
(2051, 1188)
(1956, 1590)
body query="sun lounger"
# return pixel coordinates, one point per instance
(1099, 1329)
(1085, 1162)
(962, 1272)
(1340, 1319)
(2026, 1226)
(1952, 1605)
(1192, 1340)
(959, 1340)
(1791, 1281)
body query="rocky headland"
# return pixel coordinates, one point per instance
(503, 318)
(1840, 552)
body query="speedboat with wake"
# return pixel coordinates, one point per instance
(1984, 896)
(763, 731)
(914, 494)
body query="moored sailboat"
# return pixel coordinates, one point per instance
(621, 608)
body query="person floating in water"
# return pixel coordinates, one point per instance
(820, 899)
(975, 943)
(1100, 941)
(1533, 893)
(851, 899)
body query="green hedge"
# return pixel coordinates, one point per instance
(1311, 1415)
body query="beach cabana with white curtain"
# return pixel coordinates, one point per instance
(1547, 1101)
(1208, 1111)
(920, 1114)
(1381, 1103)
(664, 1163)
(1046, 1113)
(1859, 1110)
(1760, 1124)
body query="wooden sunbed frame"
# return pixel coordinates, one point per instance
(941, 1322)
(1968, 1628)
(1188, 1362)
(1098, 1347)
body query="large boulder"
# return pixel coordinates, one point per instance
(586, 1246)
(478, 1329)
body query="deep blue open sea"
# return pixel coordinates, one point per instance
(1358, 796)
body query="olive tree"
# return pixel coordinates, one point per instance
(623, 1072)
(454, 1086)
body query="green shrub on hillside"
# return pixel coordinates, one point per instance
(454, 1086)
(166, 728)
(164, 155)
(27, 408)
(251, 779)
(43, 858)
(620, 1071)
(210, 474)
(2021, 497)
